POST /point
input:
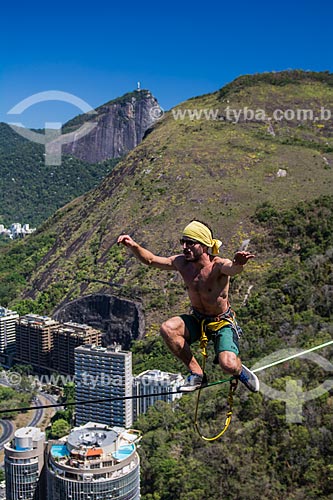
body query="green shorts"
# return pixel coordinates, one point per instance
(225, 339)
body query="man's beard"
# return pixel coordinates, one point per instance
(190, 257)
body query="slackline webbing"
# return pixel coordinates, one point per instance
(140, 396)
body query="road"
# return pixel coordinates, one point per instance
(38, 414)
(7, 431)
(8, 428)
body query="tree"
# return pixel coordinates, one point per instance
(59, 429)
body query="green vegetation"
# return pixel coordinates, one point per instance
(63, 420)
(13, 398)
(59, 429)
(150, 354)
(290, 305)
(297, 302)
(31, 191)
(261, 455)
(18, 261)
(278, 78)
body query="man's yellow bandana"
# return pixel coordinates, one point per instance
(198, 231)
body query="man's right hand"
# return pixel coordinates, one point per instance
(146, 256)
(126, 240)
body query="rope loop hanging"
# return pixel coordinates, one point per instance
(233, 386)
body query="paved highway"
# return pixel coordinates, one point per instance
(7, 428)
(7, 432)
(38, 414)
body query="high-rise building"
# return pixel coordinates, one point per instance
(94, 462)
(66, 338)
(150, 384)
(7, 329)
(49, 345)
(104, 373)
(34, 340)
(24, 461)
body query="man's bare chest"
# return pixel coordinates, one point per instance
(204, 280)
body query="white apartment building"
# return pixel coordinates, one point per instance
(16, 230)
(150, 384)
(103, 373)
(24, 461)
(19, 231)
(7, 329)
(94, 462)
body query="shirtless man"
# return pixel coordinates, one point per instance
(207, 279)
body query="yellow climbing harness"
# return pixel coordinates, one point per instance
(215, 326)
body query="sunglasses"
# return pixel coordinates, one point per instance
(188, 243)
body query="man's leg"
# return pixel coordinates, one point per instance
(227, 351)
(230, 362)
(176, 336)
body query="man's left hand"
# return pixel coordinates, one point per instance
(241, 258)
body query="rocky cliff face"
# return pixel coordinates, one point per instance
(121, 125)
(120, 320)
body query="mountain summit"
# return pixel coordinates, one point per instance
(121, 125)
(31, 191)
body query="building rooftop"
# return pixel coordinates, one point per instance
(78, 330)
(158, 375)
(95, 443)
(25, 438)
(80, 326)
(87, 437)
(93, 348)
(25, 432)
(6, 312)
(36, 319)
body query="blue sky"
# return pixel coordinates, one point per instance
(177, 49)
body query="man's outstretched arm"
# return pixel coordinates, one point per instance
(231, 268)
(146, 256)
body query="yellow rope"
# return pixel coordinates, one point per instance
(233, 385)
(203, 342)
(216, 325)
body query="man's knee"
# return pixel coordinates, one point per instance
(229, 362)
(172, 327)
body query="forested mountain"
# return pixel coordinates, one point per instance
(31, 190)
